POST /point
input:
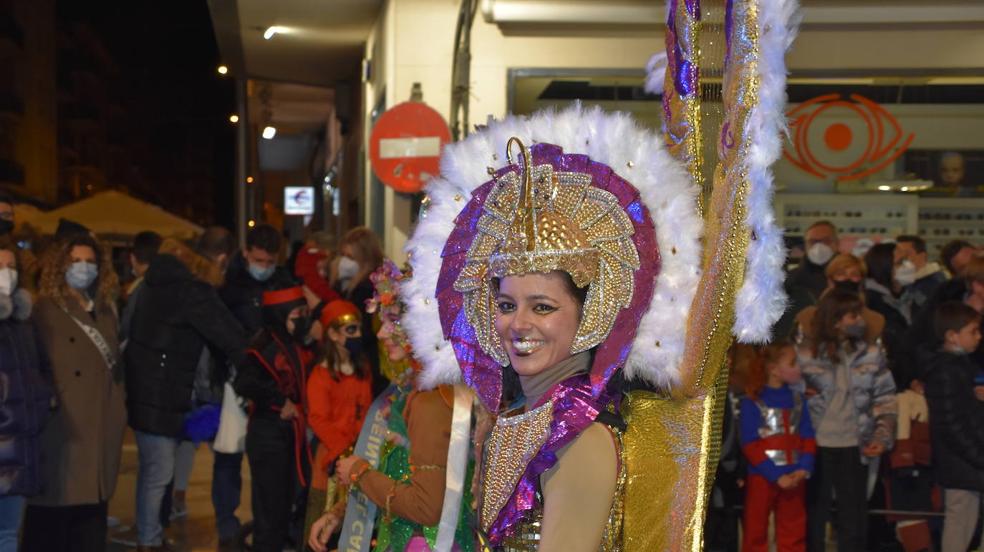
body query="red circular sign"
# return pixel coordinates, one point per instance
(405, 146)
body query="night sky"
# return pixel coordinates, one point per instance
(172, 126)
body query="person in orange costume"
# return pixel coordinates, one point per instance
(339, 390)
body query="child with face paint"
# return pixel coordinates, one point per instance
(777, 439)
(273, 379)
(853, 407)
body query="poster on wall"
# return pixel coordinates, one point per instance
(957, 173)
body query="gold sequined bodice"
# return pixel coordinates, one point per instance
(513, 442)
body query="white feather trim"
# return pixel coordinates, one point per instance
(637, 155)
(655, 73)
(762, 299)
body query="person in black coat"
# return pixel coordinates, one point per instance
(956, 418)
(252, 272)
(880, 296)
(25, 398)
(274, 379)
(177, 314)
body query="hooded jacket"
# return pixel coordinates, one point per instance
(174, 318)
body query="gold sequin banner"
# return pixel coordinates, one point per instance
(681, 89)
(673, 441)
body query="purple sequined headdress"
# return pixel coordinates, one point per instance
(642, 265)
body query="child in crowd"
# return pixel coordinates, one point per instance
(777, 439)
(957, 421)
(339, 394)
(853, 408)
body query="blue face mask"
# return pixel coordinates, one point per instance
(261, 274)
(81, 274)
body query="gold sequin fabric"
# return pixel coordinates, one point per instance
(527, 535)
(670, 448)
(537, 220)
(513, 442)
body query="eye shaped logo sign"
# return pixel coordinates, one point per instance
(844, 138)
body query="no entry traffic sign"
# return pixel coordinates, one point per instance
(405, 146)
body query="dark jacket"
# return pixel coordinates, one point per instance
(956, 421)
(880, 299)
(25, 397)
(920, 341)
(243, 294)
(808, 276)
(175, 317)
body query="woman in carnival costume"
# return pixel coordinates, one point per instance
(423, 504)
(567, 248)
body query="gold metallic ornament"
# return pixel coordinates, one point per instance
(537, 220)
(513, 442)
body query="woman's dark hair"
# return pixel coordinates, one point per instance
(880, 260)
(832, 307)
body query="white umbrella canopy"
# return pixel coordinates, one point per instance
(116, 213)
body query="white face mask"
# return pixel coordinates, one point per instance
(8, 281)
(819, 253)
(347, 268)
(905, 273)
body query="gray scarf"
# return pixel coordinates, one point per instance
(535, 386)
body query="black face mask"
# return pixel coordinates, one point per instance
(6, 227)
(848, 286)
(354, 347)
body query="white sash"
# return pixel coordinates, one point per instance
(457, 468)
(98, 340)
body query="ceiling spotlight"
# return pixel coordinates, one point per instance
(251, 223)
(249, 179)
(885, 188)
(269, 132)
(273, 31)
(233, 118)
(222, 69)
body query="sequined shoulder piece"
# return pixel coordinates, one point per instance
(512, 444)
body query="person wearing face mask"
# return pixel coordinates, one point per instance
(340, 389)
(956, 418)
(918, 276)
(25, 399)
(177, 315)
(821, 243)
(273, 379)
(82, 440)
(853, 407)
(251, 272)
(882, 295)
(359, 256)
(845, 273)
